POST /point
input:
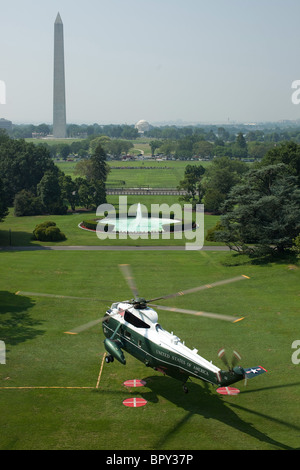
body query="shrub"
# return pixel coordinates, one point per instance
(90, 224)
(47, 231)
(296, 245)
(26, 203)
(211, 233)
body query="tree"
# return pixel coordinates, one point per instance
(192, 184)
(49, 192)
(287, 153)
(63, 150)
(222, 175)
(91, 190)
(22, 165)
(129, 132)
(241, 141)
(26, 203)
(154, 144)
(264, 210)
(94, 168)
(85, 193)
(69, 190)
(103, 140)
(239, 148)
(184, 148)
(116, 147)
(100, 168)
(3, 203)
(167, 147)
(297, 244)
(203, 149)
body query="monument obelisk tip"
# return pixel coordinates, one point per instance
(58, 18)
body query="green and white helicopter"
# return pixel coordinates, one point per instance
(132, 326)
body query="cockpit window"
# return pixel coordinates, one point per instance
(135, 321)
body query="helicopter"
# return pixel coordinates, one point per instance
(132, 326)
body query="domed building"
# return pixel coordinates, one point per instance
(142, 126)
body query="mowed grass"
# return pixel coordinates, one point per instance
(140, 173)
(265, 415)
(18, 231)
(149, 173)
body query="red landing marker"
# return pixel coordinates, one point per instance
(134, 383)
(134, 402)
(228, 391)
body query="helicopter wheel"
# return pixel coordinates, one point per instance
(109, 359)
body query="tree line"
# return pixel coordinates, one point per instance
(259, 204)
(32, 183)
(115, 131)
(179, 142)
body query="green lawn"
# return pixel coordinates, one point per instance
(265, 415)
(147, 173)
(21, 228)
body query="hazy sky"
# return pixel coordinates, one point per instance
(159, 60)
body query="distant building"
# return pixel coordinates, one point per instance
(5, 124)
(142, 126)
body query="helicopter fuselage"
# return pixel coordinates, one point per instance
(137, 331)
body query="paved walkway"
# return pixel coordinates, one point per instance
(108, 248)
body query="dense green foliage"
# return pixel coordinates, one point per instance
(263, 210)
(22, 166)
(48, 232)
(32, 182)
(3, 202)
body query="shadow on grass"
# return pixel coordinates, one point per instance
(9, 239)
(16, 323)
(203, 400)
(240, 259)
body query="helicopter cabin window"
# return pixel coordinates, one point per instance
(135, 321)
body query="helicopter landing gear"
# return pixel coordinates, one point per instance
(184, 386)
(109, 359)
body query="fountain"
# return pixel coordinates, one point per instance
(137, 224)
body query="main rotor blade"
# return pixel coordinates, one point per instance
(203, 287)
(216, 316)
(126, 271)
(84, 327)
(57, 296)
(88, 325)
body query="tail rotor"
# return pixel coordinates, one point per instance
(236, 358)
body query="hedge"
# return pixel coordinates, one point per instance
(48, 232)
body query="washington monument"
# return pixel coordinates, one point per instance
(59, 98)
